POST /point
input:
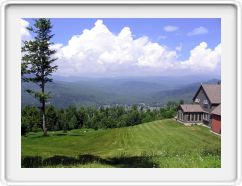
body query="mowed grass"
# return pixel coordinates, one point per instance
(163, 143)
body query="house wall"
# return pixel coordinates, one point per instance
(194, 117)
(216, 123)
(180, 115)
(189, 117)
(202, 96)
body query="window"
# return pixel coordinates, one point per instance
(188, 117)
(205, 102)
(191, 117)
(200, 117)
(197, 100)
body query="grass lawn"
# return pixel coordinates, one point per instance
(163, 143)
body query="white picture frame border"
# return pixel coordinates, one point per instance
(236, 3)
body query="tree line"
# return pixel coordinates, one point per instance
(91, 117)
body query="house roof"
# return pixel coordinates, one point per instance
(217, 110)
(212, 91)
(191, 108)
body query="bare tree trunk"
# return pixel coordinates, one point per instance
(43, 111)
(43, 118)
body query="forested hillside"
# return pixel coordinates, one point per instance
(108, 91)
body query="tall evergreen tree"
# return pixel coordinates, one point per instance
(37, 62)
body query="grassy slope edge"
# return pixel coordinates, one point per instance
(163, 143)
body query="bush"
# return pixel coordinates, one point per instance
(24, 129)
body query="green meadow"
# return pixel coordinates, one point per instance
(159, 144)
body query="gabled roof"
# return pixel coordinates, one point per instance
(212, 91)
(217, 110)
(191, 108)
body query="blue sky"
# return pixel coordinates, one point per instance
(174, 35)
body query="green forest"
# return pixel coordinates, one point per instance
(91, 117)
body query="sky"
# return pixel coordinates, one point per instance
(134, 46)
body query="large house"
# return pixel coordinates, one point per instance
(205, 109)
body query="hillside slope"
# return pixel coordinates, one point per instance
(163, 143)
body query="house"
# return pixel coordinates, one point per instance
(205, 109)
(216, 120)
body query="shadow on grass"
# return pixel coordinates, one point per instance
(121, 162)
(60, 134)
(39, 136)
(76, 135)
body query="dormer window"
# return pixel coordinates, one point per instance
(197, 100)
(205, 102)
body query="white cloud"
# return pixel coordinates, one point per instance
(24, 32)
(170, 28)
(99, 52)
(203, 59)
(198, 31)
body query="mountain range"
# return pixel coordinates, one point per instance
(153, 91)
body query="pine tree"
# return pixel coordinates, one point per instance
(37, 62)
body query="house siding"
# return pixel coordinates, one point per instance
(202, 96)
(185, 118)
(216, 123)
(195, 117)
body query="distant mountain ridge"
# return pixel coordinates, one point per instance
(108, 91)
(185, 93)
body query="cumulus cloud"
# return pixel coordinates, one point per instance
(170, 28)
(203, 58)
(198, 31)
(24, 32)
(99, 52)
